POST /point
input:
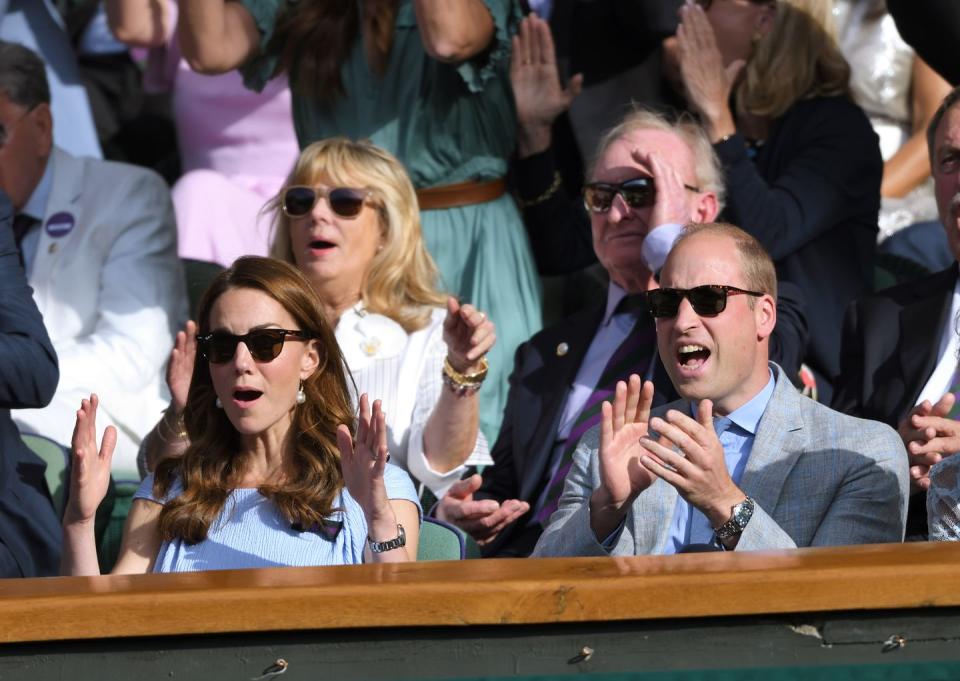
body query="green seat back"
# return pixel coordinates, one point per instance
(112, 537)
(57, 458)
(440, 541)
(198, 275)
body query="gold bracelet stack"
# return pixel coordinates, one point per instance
(551, 190)
(176, 432)
(464, 384)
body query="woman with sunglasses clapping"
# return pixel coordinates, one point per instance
(274, 475)
(347, 217)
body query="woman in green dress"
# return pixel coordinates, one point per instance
(426, 79)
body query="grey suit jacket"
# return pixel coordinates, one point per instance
(819, 478)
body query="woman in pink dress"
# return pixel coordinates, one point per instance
(236, 146)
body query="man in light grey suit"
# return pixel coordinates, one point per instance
(743, 461)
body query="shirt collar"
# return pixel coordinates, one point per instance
(36, 206)
(747, 416)
(614, 295)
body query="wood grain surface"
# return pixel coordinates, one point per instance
(482, 592)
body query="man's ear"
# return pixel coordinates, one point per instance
(42, 118)
(310, 360)
(765, 312)
(707, 208)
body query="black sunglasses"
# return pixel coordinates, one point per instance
(347, 202)
(638, 192)
(707, 300)
(264, 344)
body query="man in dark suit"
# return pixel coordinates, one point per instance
(900, 346)
(560, 374)
(29, 531)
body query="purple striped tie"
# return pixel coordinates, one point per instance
(631, 357)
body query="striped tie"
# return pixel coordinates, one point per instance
(631, 357)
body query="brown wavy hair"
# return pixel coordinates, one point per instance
(211, 466)
(401, 282)
(313, 39)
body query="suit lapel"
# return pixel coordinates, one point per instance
(559, 369)
(64, 199)
(920, 326)
(779, 442)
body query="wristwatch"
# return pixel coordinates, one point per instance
(742, 513)
(390, 544)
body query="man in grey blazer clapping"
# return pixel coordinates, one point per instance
(742, 461)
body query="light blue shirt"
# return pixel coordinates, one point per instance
(36, 207)
(738, 429)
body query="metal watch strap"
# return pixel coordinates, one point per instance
(741, 515)
(390, 544)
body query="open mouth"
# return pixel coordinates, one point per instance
(692, 356)
(321, 245)
(244, 397)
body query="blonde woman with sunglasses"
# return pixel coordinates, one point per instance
(347, 217)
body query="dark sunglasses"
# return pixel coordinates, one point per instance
(707, 300)
(264, 344)
(638, 192)
(347, 202)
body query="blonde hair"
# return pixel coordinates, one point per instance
(706, 163)
(798, 59)
(401, 282)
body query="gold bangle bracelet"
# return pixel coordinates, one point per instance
(476, 378)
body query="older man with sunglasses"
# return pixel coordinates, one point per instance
(651, 176)
(742, 461)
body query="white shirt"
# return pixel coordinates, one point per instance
(948, 354)
(405, 371)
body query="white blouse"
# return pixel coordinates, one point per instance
(404, 371)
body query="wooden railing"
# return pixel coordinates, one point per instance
(482, 592)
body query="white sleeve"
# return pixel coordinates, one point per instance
(430, 384)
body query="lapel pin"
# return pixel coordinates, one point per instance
(562, 349)
(60, 224)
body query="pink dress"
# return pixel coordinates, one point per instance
(236, 146)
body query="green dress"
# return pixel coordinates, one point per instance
(447, 123)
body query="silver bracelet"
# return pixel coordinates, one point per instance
(390, 544)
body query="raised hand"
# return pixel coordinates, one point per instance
(90, 470)
(707, 82)
(690, 457)
(363, 459)
(468, 334)
(180, 366)
(539, 96)
(622, 478)
(482, 519)
(671, 205)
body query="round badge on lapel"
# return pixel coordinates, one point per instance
(562, 349)
(59, 225)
